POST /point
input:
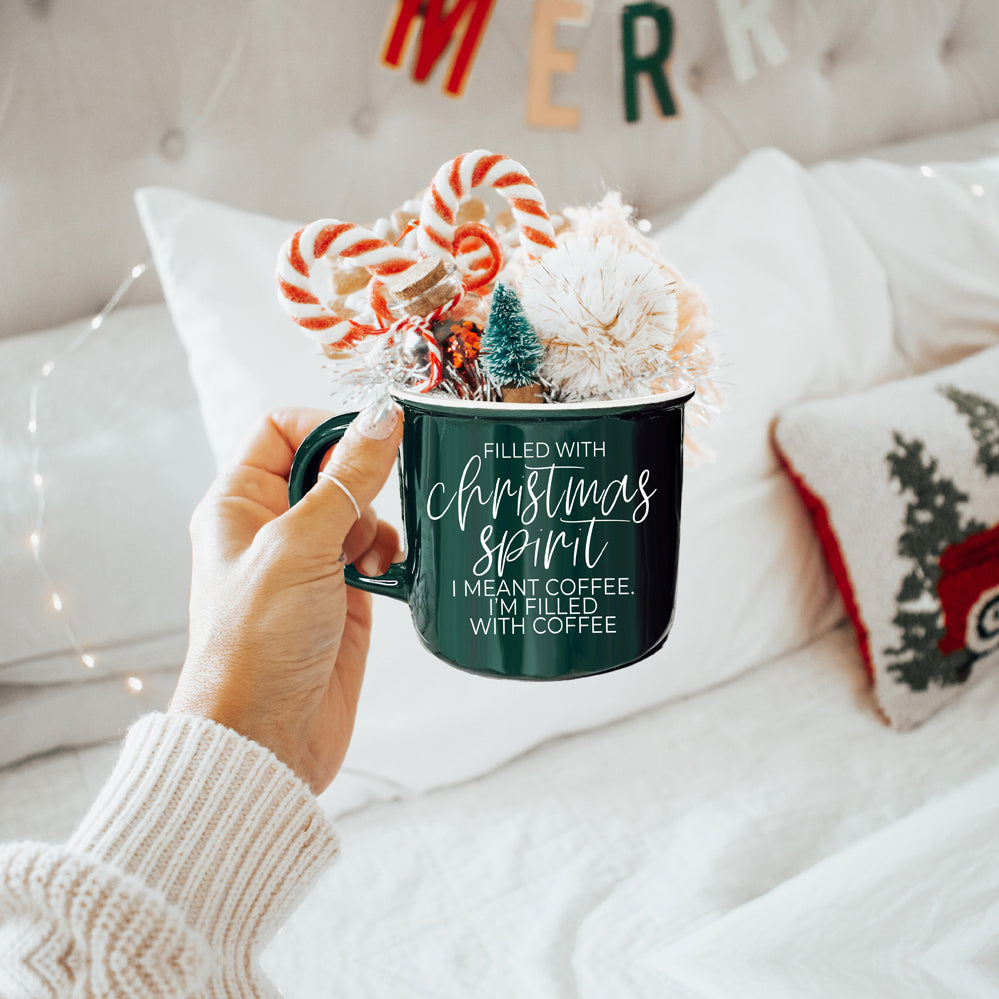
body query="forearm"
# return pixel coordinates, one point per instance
(195, 851)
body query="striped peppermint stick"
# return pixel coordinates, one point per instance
(457, 179)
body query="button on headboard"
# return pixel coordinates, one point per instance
(290, 109)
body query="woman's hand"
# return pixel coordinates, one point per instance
(278, 640)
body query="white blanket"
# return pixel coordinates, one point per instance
(912, 910)
(626, 861)
(767, 838)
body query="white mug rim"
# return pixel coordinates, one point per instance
(552, 409)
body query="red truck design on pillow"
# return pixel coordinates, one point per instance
(947, 607)
(968, 588)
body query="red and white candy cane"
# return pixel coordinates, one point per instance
(477, 254)
(473, 247)
(458, 178)
(333, 239)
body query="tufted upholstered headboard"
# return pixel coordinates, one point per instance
(288, 108)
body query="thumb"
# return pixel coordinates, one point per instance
(360, 463)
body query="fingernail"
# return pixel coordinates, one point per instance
(369, 565)
(378, 420)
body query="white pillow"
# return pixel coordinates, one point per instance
(773, 254)
(935, 227)
(216, 265)
(799, 301)
(123, 459)
(38, 719)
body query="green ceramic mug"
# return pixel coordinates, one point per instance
(541, 540)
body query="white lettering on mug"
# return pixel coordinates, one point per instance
(561, 492)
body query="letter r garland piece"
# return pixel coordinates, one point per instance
(652, 64)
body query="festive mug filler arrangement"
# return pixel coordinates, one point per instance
(451, 295)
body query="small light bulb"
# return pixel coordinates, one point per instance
(138, 270)
(88, 660)
(37, 479)
(57, 601)
(32, 426)
(926, 171)
(35, 541)
(644, 225)
(977, 190)
(95, 323)
(134, 684)
(47, 368)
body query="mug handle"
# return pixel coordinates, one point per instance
(303, 476)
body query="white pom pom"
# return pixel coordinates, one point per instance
(607, 318)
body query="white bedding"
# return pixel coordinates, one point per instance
(910, 910)
(765, 838)
(626, 861)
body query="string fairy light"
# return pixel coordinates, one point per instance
(57, 598)
(976, 190)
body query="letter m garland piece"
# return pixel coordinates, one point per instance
(438, 29)
(948, 603)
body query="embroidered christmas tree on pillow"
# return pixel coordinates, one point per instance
(902, 483)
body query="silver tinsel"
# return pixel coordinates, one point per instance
(370, 373)
(472, 386)
(388, 362)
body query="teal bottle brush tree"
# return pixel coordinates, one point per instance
(512, 354)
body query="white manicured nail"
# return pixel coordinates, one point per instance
(378, 420)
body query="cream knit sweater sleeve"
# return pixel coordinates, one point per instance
(195, 851)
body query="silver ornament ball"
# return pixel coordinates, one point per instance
(415, 351)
